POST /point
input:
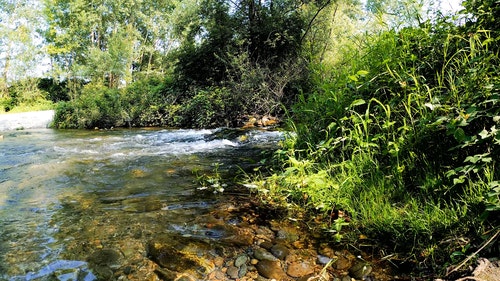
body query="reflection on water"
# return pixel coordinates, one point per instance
(65, 192)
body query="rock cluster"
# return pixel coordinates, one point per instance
(234, 241)
(259, 121)
(248, 251)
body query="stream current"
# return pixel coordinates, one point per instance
(61, 192)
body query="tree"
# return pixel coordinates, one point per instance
(107, 40)
(398, 14)
(20, 51)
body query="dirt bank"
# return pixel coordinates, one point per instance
(26, 120)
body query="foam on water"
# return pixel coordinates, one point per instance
(46, 173)
(164, 142)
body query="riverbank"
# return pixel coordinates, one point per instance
(26, 120)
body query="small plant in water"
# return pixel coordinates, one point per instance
(212, 181)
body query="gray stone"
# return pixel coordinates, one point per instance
(360, 270)
(280, 251)
(240, 260)
(243, 270)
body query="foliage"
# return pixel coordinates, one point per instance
(96, 107)
(56, 91)
(145, 103)
(394, 124)
(205, 108)
(403, 138)
(108, 40)
(25, 95)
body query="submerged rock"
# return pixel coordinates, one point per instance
(240, 260)
(360, 270)
(280, 251)
(226, 134)
(232, 272)
(261, 254)
(105, 257)
(300, 269)
(180, 254)
(271, 269)
(103, 263)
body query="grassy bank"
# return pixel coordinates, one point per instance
(400, 146)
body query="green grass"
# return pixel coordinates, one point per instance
(407, 146)
(39, 106)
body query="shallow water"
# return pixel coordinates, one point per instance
(63, 190)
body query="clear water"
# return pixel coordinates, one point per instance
(62, 190)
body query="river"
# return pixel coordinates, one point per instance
(65, 194)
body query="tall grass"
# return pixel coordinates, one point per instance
(404, 140)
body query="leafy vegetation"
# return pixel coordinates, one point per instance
(403, 140)
(393, 116)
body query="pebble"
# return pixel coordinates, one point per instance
(261, 254)
(270, 269)
(266, 245)
(299, 269)
(243, 271)
(342, 263)
(240, 260)
(280, 251)
(360, 270)
(232, 272)
(323, 260)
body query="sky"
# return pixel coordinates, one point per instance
(450, 6)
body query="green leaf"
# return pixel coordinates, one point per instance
(353, 78)
(450, 173)
(460, 135)
(486, 159)
(459, 180)
(362, 73)
(472, 159)
(358, 102)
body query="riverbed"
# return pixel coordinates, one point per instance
(55, 186)
(153, 204)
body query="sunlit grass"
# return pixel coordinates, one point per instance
(406, 146)
(39, 106)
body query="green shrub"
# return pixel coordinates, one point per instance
(145, 103)
(56, 91)
(403, 139)
(97, 107)
(206, 109)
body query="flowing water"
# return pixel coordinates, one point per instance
(66, 193)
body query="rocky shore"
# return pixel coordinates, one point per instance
(248, 249)
(237, 241)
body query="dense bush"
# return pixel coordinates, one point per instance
(25, 94)
(147, 102)
(96, 107)
(403, 140)
(56, 91)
